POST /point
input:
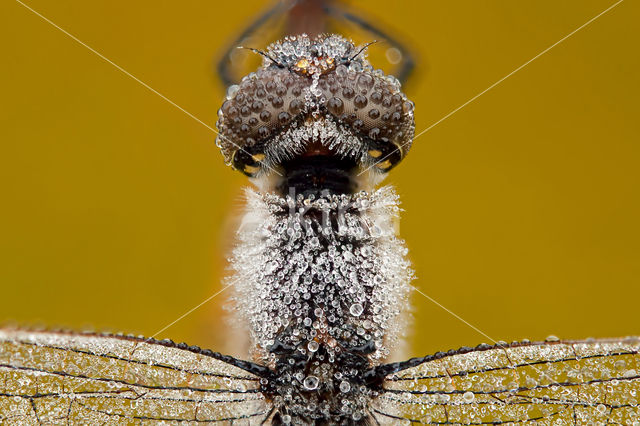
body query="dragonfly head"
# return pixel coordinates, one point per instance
(315, 101)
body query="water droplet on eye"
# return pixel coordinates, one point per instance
(313, 346)
(232, 112)
(311, 382)
(348, 92)
(232, 90)
(365, 82)
(277, 102)
(360, 101)
(601, 408)
(356, 309)
(281, 90)
(283, 117)
(265, 115)
(257, 106)
(407, 106)
(468, 397)
(335, 106)
(295, 107)
(345, 387)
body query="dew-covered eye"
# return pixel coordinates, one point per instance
(372, 107)
(320, 105)
(257, 110)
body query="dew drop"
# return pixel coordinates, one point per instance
(313, 346)
(283, 117)
(365, 82)
(295, 107)
(232, 90)
(335, 106)
(356, 309)
(311, 382)
(348, 92)
(341, 71)
(360, 101)
(277, 102)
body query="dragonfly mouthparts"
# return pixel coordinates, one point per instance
(315, 97)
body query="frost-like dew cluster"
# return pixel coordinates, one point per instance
(294, 141)
(326, 270)
(289, 50)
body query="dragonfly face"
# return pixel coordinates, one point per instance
(317, 114)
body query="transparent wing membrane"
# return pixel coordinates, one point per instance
(66, 378)
(581, 382)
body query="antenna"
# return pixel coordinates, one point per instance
(263, 54)
(362, 49)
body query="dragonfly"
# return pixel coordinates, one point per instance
(321, 281)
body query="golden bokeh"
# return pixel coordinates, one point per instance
(521, 209)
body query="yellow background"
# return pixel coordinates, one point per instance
(522, 209)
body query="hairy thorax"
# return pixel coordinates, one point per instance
(321, 283)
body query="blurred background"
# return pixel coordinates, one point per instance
(521, 210)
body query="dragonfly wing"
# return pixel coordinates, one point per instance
(62, 378)
(563, 382)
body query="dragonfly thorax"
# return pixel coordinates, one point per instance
(321, 282)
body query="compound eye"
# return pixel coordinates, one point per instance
(248, 162)
(384, 154)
